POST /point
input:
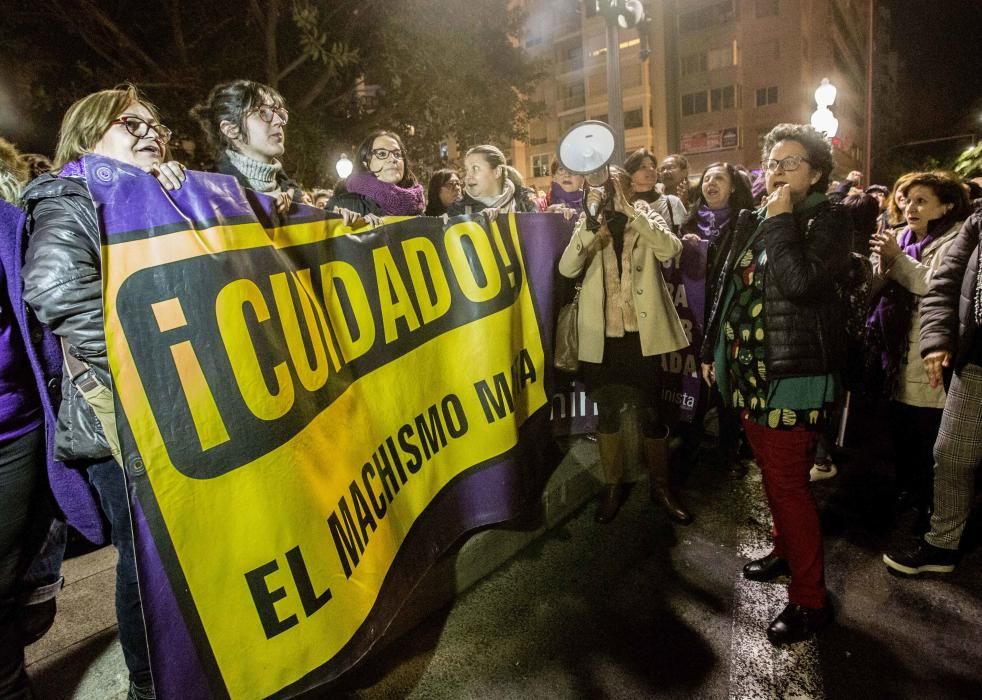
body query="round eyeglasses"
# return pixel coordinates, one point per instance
(267, 112)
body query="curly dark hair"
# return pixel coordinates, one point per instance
(946, 187)
(818, 147)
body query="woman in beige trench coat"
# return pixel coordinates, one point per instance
(626, 319)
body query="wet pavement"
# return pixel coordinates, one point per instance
(644, 608)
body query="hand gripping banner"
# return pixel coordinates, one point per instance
(311, 415)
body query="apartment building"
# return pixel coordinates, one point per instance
(720, 75)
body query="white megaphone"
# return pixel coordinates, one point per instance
(586, 149)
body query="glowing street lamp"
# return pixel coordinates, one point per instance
(822, 118)
(343, 166)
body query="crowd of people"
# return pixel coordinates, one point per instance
(776, 249)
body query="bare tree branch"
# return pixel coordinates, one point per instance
(173, 8)
(121, 37)
(297, 62)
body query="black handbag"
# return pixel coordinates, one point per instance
(567, 345)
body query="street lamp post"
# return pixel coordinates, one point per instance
(822, 118)
(619, 14)
(343, 166)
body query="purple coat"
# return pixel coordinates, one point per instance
(70, 487)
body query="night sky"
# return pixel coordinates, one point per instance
(940, 47)
(940, 80)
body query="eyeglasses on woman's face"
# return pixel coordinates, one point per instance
(788, 165)
(453, 184)
(384, 153)
(267, 112)
(141, 128)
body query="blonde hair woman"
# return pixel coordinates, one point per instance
(63, 285)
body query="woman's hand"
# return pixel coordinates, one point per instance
(567, 212)
(709, 373)
(491, 213)
(692, 238)
(170, 174)
(284, 200)
(934, 363)
(884, 244)
(372, 220)
(779, 201)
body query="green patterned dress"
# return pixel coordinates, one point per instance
(743, 334)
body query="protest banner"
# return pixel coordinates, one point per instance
(310, 415)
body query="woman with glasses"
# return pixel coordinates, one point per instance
(63, 285)
(775, 344)
(565, 195)
(382, 182)
(444, 189)
(245, 123)
(489, 188)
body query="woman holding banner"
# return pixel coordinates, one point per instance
(775, 342)
(63, 285)
(626, 319)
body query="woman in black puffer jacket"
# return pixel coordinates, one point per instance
(775, 343)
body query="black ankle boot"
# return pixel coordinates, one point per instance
(766, 569)
(797, 623)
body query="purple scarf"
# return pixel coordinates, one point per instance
(392, 199)
(889, 324)
(74, 169)
(573, 200)
(710, 222)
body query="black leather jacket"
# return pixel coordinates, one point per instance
(807, 253)
(63, 285)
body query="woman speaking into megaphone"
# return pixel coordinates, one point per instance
(626, 319)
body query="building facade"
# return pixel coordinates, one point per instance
(721, 73)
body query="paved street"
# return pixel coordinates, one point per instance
(640, 608)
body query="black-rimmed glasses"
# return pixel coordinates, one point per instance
(140, 128)
(788, 165)
(383, 153)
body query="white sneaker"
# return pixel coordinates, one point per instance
(822, 471)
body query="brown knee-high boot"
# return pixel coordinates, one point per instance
(656, 452)
(612, 461)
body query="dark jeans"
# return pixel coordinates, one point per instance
(107, 479)
(21, 462)
(914, 431)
